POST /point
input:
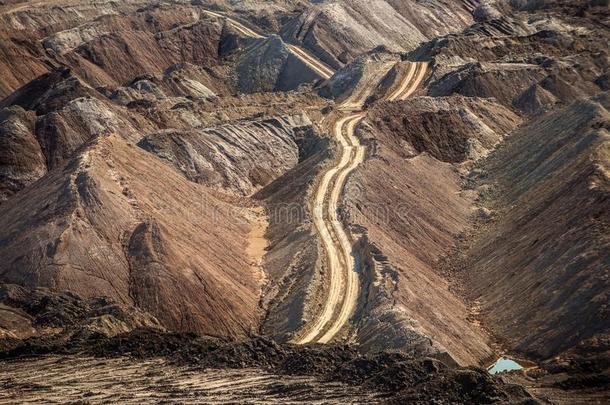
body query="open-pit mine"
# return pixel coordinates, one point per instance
(293, 201)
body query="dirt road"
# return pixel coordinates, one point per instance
(410, 81)
(343, 279)
(343, 285)
(319, 67)
(316, 65)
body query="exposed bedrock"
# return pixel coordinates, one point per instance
(240, 157)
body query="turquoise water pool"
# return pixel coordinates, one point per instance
(504, 364)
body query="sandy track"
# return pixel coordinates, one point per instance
(410, 82)
(343, 279)
(359, 96)
(343, 287)
(351, 145)
(236, 24)
(311, 61)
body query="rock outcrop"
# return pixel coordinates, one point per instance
(239, 158)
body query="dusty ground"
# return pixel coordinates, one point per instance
(479, 214)
(56, 379)
(397, 377)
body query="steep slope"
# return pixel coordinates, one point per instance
(338, 31)
(121, 55)
(240, 158)
(63, 114)
(21, 159)
(294, 255)
(526, 60)
(407, 201)
(354, 83)
(107, 44)
(539, 271)
(104, 225)
(271, 66)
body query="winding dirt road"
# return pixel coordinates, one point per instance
(364, 90)
(343, 281)
(411, 80)
(343, 288)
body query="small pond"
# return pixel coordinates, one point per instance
(504, 364)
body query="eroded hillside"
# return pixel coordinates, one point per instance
(376, 198)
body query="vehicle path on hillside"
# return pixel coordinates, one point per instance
(343, 281)
(315, 64)
(343, 287)
(413, 76)
(363, 91)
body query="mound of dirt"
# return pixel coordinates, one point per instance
(407, 196)
(356, 79)
(104, 225)
(22, 160)
(451, 129)
(539, 270)
(27, 313)
(526, 60)
(399, 377)
(239, 158)
(337, 32)
(270, 66)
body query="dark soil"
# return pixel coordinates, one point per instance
(403, 378)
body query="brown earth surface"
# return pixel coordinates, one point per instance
(161, 164)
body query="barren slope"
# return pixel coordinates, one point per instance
(540, 271)
(118, 222)
(338, 31)
(409, 201)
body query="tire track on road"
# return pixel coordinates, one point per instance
(344, 284)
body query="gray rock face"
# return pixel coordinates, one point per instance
(21, 159)
(363, 72)
(339, 31)
(269, 66)
(239, 158)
